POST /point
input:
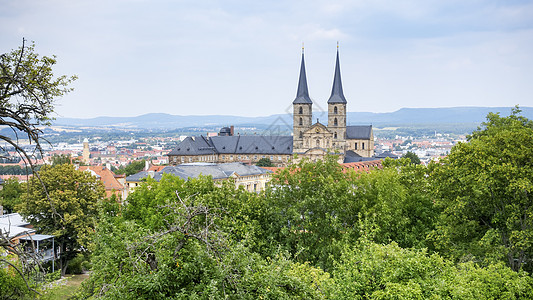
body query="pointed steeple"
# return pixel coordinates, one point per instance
(337, 96)
(302, 95)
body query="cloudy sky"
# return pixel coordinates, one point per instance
(241, 57)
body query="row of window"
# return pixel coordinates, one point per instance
(301, 135)
(335, 111)
(335, 122)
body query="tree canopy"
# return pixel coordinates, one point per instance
(28, 90)
(485, 191)
(413, 157)
(264, 162)
(132, 168)
(66, 210)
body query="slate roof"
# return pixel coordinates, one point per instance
(302, 95)
(359, 132)
(194, 146)
(245, 144)
(193, 170)
(386, 154)
(337, 95)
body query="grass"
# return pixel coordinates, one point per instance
(64, 291)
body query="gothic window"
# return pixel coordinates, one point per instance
(335, 122)
(301, 111)
(335, 109)
(301, 121)
(301, 134)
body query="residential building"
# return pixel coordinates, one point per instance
(252, 178)
(111, 181)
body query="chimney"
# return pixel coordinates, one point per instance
(232, 129)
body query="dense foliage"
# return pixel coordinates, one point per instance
(10, 194)
(456, 229)
(485, 191)
(132, 168)
(63, 202)
(264, 162)
(320, 231)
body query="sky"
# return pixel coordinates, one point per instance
(242, 57)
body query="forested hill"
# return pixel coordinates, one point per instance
(402, 116)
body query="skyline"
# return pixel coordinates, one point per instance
(239, 58)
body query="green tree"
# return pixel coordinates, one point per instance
(10, 194)
(66, 209)
(190, 240)
(133, 168)
(375, 271)
(28, 90)
(308, 208)
(312, 207)
(61, 159)
(485, 191)
(264, 162)
(396, 201)
(12, 285)
(413, 157)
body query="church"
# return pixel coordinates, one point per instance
(315, 140)
(309, 140)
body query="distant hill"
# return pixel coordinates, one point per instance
(403, 116)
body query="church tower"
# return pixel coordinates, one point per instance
(302, 109)
(337, 109)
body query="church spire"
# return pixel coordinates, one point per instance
(337, 96)
(302, 95)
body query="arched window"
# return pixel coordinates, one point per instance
(301, 111)
(363, 146)
(301, 122)
(335, 136)
(335, 109)
(335, 123)
(301, 134)
(317, 142)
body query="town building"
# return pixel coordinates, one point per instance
(252, 178)
(309, 140)
(111, 182)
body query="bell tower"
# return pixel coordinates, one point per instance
(337, 109)
(302, 109)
